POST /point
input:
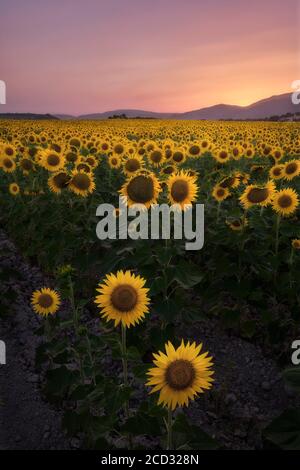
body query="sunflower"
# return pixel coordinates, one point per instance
(194, 150)
(141, 188)
(45, 301)
(71, 157)
(14, 189)
(182, 189)
(9, 151)
(258, 196)
(276, 172)
(132, 164)
(178, 156)
(296, 244)
(82, 183)
(222, 156)
(114, 161)
(291, 169)
(8, 164)
(156, 157)
(220, 193)
(168, 170)
(119, 149)
(237, 225)
(52, 161)
(285, 202)
(123, 298)
(26, 164)
(58, 182)
(180, 374)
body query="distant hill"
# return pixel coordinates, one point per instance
(277, 105)
(263, 109)
(29, 116)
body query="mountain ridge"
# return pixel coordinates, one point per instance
(276, 105)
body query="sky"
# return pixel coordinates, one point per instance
(86, 56)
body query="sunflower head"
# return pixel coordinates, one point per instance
(220, 193)
(123, 298)
(296, 244)
(132, 165)
(81, 183)
(182, 189)
(14, 189)
(285, 202)
(52, 161)
(45, 301)
(141, 188)
(58, 182)
(258, 195)
(180, 374)
(114, 161)
(291, 169)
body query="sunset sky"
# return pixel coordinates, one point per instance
(85, 56)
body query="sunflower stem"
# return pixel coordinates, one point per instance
(169, 429)
(72, 301)
(125, 375)
(291, 261)
(218, 211)
(277, 234)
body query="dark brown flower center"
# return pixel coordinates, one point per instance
(285, 201)
(119, 149)
(124, 298)
(53, 160)
(168, 170)
(7, 163)
(26, 164)
(132, 165)
(227, 183)
(257, 195)
(75, 142)
(179, 190)
(45, 300)
(277, 171)
(61, 180)
(291, 168)
(168, 154)
(177, 156)
(223, 155)
(194, 150)
(180, 374)
(81, 181)
(156, 156)
(140, 189)
(9, 151)
(220, 192)
(71, 157)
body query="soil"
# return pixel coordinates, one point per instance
(248, 391)
(26, 420)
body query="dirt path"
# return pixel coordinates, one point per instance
(26, 421)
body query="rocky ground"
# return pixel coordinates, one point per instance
(26, 421)
(248, 391)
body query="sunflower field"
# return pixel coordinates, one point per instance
(120, 353)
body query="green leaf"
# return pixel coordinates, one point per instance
(284, 431)
(59, 381)
(193, 435)
(142, 423)
(292, 377)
